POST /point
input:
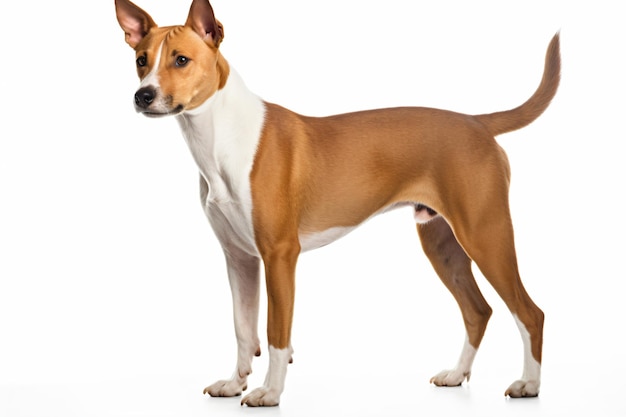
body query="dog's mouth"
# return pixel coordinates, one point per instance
(156, 114)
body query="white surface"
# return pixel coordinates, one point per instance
(113, 294)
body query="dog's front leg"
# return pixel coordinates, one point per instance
(280, 265)
(243, 274)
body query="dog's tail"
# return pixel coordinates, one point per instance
(509, 120)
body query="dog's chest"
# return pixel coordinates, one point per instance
(225, 193)
(223, 137)
(231, 221)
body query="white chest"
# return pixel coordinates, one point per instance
(223, 135)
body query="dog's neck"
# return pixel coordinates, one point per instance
(223, 133)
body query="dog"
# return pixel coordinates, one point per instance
(274, 183)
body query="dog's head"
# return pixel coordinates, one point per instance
(180, 67)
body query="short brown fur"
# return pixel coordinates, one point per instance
(311, 174)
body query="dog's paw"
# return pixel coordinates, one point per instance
(450, 378)
(523, 389)
(262, 397)
(226, 388)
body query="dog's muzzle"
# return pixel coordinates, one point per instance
(148, 104)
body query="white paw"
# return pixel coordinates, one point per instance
(262, 397)
(450, 378)
(522, 388)
(226, 388)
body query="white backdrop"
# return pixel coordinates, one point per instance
(113, 294)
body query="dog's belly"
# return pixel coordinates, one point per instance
(314, 240)
(317, 239)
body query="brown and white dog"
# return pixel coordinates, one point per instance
(274, 183)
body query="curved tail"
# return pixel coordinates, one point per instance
(509, 120)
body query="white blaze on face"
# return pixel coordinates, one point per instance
(152, 79)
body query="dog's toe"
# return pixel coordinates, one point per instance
(523, 389)
(450, 378)
(262, 397)
(225, 388)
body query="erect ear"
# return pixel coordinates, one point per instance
(135, 22)
(202, 20)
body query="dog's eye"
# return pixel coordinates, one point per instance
(181, 61)
(142, 61)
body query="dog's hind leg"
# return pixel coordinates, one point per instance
(454, 268)
(486, 234)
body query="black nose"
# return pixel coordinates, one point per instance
(144, 97)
